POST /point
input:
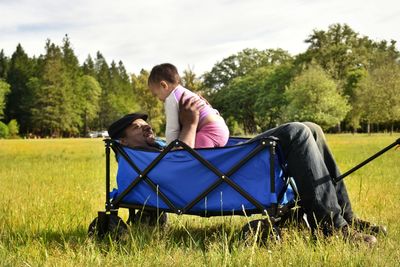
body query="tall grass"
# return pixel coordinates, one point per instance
(52, 189)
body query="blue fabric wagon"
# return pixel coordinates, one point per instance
(245, 177)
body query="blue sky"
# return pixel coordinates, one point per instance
(185, 33)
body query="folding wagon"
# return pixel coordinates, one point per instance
(243, 178)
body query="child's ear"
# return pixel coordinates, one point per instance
(164, 84)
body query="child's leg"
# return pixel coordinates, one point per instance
(214, 134)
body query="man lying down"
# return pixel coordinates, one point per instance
(309, 160)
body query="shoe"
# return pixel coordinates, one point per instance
(353, 236)
(151, 218)
(262, 230)
(368, 227)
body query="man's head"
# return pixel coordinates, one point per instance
(163, 79)
(132, 130)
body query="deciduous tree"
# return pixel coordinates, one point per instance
(378, 97)
(240, 64)
(190, 81)
(313, 96)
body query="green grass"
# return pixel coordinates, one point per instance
(52, 190)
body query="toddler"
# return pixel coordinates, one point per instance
(164, 83)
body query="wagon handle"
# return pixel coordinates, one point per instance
(341, 177)
(107, 147)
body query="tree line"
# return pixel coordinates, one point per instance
(53, 95)
(343, 81)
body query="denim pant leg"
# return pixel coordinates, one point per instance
(330, 163)
(306, 165)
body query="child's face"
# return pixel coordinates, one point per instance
(160, 90)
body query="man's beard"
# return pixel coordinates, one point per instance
(149, 137)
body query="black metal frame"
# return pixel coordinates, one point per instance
(377, 154)
(270, 143)
(264, 143)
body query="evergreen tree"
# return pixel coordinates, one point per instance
(4, 62)
(88, 67)
(70, 61)
(117, 97)
(117, 94)
(122, 72)
(19, 101)
(103, 76)
(124, 92)
(73, 72)
(90, 94)
(53, 112)
(4, 90)
(102, 70)
(148, 103)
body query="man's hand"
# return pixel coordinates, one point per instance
(189, 113)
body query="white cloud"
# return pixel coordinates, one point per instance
(195, 33)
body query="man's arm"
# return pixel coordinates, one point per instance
(189, 119)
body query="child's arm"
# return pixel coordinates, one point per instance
(172, 119)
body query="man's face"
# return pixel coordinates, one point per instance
(138, 134)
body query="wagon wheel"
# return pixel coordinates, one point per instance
(262, 230)
(108, 224)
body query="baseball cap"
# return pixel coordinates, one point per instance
(118, 126)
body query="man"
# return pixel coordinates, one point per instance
(132, 130)
(309, 162)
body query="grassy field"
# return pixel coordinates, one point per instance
(52, 189)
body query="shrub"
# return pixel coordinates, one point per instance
(3, 130)
(13, 128)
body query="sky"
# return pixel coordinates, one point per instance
(190, 34)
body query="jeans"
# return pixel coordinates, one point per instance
(311, 164)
